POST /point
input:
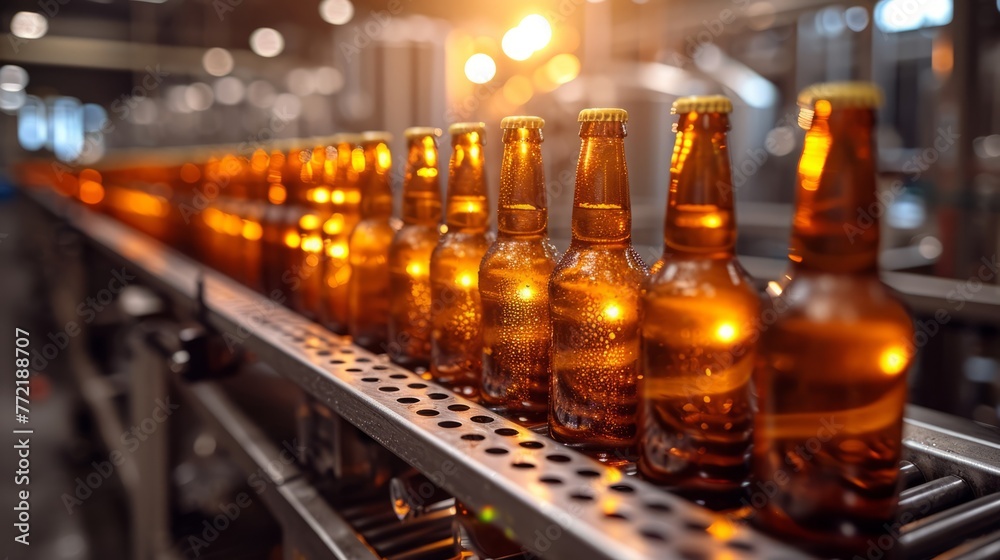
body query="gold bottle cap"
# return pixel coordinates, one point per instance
(418, 131)
(522, 122)
(860, 95)
(603, 114)
(702, 104)
(466, 127)
(376, 136)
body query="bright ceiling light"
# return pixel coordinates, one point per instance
(29, 25)
(480, 68)
(516, 45)
(336, 12)
(199, 96)
(13, 78)
(217, 62)
(267, 42)
(229, 90)
(537, 31)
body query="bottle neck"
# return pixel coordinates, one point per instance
(834, 229)
(602, 212)
(376, 194)
(700, 218)
(421, 185)
(522, 210)
(466, 209)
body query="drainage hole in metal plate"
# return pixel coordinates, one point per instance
(428, 412)
(473, 437)
(697, 526)
(482, 419)
(653, 535)
(496, 451)
(616, 515)
(658, 506)
(363, 360)
(379, 367)
(346, 350)
(449, 424)
(550, 480)
(532, 444)
(323, 353)
(354, 370)
(581, 497)
(623, 488)
(523, 465)
(505, 432)
(417, 386)
(395, 375)
(458, 407)
(388, 389)
(336, 361)
(408, 400)
(557, 458)
(588, 473)
(437, 396)
(369, 379)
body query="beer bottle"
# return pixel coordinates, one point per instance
(594, 301)
(252, 230)
(315, 196)
(273, 263)
(456, 335)
(368, 302)
(410, 252)
(346, 163)
(513, 281)
(831, 376)
(699, 309)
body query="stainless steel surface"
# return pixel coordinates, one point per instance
(311, 527)
(557, 503)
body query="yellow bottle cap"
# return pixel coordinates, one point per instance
(376, 136)
(859, 95)
(702, 104)
(418, 131)
(466, 127)
(603, 114)
(522, 122)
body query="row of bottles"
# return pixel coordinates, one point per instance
(717, 390)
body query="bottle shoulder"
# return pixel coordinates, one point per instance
(831, 298)
(699, 277)
(462, 244)
(508, 254)
(601, 264)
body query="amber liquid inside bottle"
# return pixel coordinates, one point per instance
(346, 164)
(831, 381)
(699, 314)
(594, 302)
(314, 191)
(253, 229)
(410, 256)
(456, 313)
(273, 261)
(369, 252)
(513, 285)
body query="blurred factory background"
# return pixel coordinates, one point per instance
(83, 79)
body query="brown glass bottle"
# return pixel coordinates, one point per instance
(314, 190)
(368, 288)
(513, 281)
(699, 310)
(594, 301)
(253, 216)
(344, 169)
(456, 314)
(410, 252)
(273, 263)
(831, 375)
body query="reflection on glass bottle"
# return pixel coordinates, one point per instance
(345, 164)
(831, 375)
(594, 301)
(456, 334)
(699, 312)
(368, 287)
(513, 281)
(410, 252)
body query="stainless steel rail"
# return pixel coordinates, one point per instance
(556, 502)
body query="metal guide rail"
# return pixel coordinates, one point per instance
(557, 502)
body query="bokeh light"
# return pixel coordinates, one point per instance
(267, 42)
(217, 61)
(480, 68)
